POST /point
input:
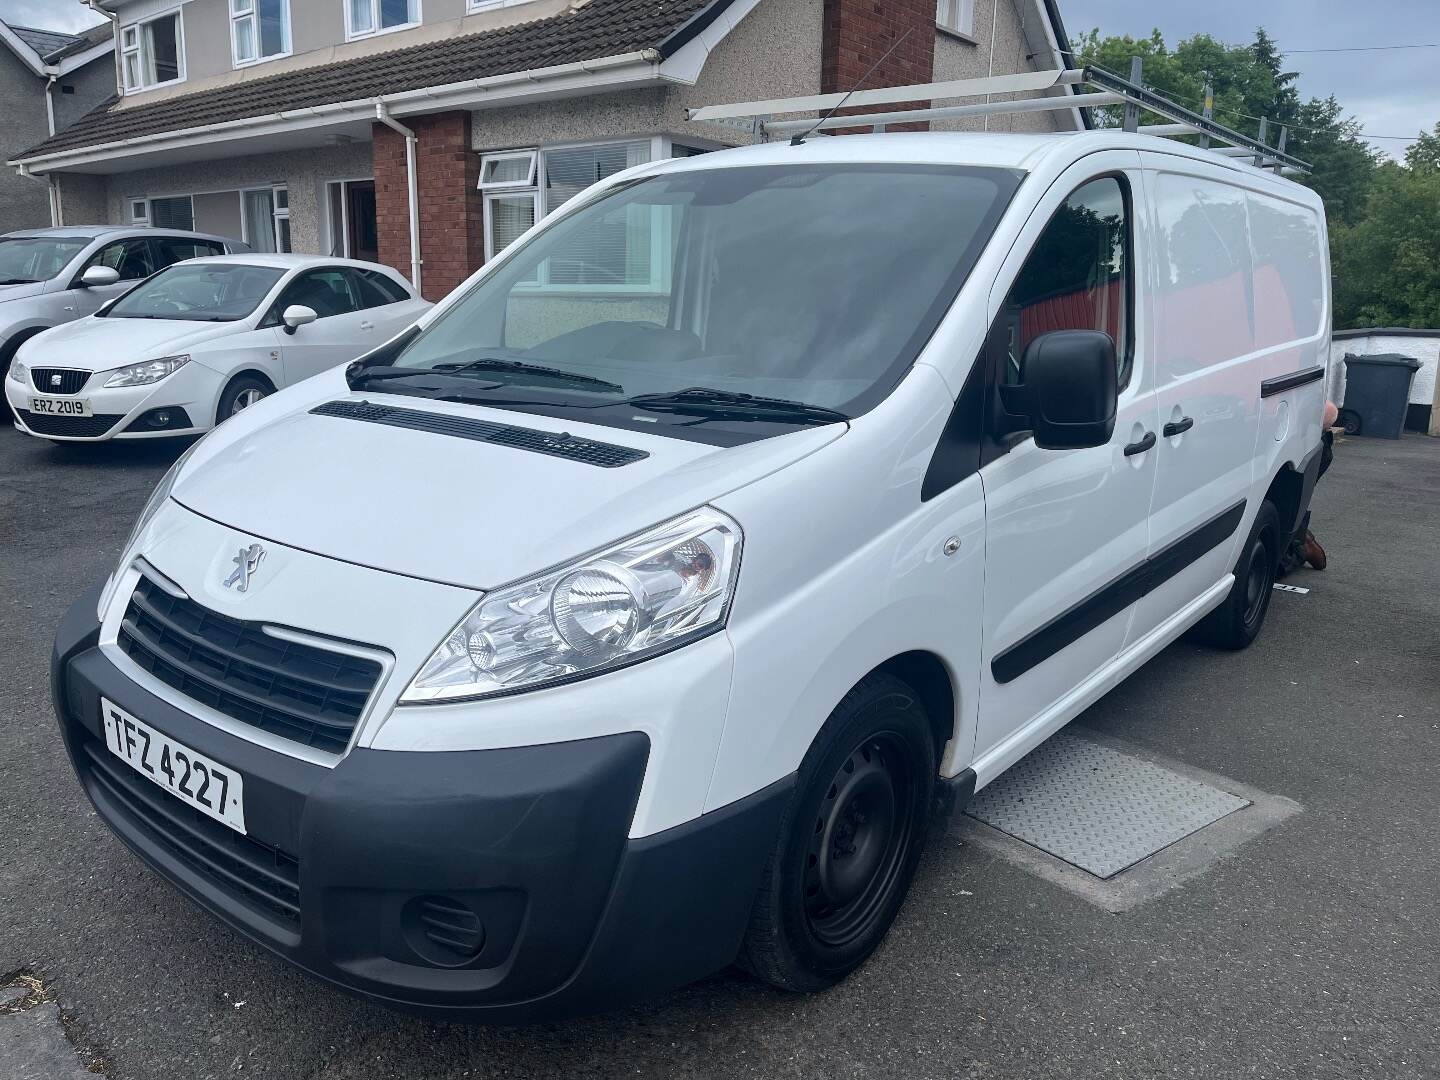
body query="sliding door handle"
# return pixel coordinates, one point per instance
(1140, 447)
(1178, 427)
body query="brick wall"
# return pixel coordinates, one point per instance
(452, 240)
(858, 32)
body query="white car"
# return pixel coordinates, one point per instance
(633, 614)
(201, 340)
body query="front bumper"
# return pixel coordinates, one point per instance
(575, 916)
(119, 412)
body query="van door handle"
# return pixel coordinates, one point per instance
(1140, 447)
(1178, 427)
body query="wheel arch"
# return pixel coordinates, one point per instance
(931, 679)
(11, 345)
(1287, 493)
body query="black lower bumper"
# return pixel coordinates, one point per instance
(492, 884)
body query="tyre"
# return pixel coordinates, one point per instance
(242, 392)
(849, 841)
(1349, 421)
(1237, 621)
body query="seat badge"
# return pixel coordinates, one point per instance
(247, 561)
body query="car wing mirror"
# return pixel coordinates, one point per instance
(1071, 389)
(99, 275)
(296, 316)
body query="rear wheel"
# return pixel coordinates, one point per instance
(849, 843)
(242, 392)
(1237, 621)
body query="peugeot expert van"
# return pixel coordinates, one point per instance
(631, 614)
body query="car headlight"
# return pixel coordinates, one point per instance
(148, 372)
(19, 372)
(152, 507)
(645, 595)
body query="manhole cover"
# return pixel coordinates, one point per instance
(1097, 808)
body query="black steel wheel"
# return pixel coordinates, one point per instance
(850, 840)
(1238, 619)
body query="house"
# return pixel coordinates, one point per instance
(48, 80)
(301, 124)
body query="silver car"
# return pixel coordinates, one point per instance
(54, 276)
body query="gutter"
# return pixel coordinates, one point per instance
(643, 66)
(382, 114)
(94, 5)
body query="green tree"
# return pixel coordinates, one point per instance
(1386, 266)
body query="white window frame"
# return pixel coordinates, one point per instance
(142, 218)
(956, 17)
(491, 5)
(342, 241)
(530, 156)
(132, 46)
(251, 14)
(277, 212)
(351, 34)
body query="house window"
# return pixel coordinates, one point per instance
(487, 5)
(626, 252)
(259, 30)
(174, 212)
(152, 53)
(365, 17)
(957, 16)
(266, 214)
(139, 212)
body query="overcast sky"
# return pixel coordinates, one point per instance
(1392, 92)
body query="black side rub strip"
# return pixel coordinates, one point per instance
(1281, 383)
(562, 445)
(1070, 626)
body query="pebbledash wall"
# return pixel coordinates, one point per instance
(1423, 345)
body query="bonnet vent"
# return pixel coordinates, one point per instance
(561, 445)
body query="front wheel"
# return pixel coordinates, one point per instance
(242, 392)
(1237, 621)
(849, 842)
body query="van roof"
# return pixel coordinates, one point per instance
(1007, 150)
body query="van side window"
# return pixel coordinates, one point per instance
(1077, 277)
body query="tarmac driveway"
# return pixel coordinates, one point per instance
(1310, 951)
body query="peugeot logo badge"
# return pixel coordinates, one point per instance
(246, 562)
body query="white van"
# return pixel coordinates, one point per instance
(631, 614)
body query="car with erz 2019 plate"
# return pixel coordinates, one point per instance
(201, 340)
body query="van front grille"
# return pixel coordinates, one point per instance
(303, 693)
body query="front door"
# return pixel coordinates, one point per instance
(362, 239)
(1066, 530)
(342, 331)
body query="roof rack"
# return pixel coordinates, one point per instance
(1090, 87)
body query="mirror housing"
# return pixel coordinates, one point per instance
(296, 316)
(1071, 389)
(99, 275)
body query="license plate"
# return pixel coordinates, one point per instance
(215, 790)
(60, 406)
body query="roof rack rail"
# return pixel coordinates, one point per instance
(1100, 88)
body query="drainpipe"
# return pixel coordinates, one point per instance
(94, 5)
(50, 104)
(412, 183)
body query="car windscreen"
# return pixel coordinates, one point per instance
(817, 284)
(24, 259)
(199, 292)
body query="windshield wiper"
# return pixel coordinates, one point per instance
(520, 367)
(19, 281)
(714, 404)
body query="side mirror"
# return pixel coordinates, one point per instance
(296, 316)
(1070, 391)
(99, 275)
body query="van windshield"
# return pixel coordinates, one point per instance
(813, 284)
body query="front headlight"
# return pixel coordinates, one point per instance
(148, 372)
(648, 594)
(19, 372)
(152, 507)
